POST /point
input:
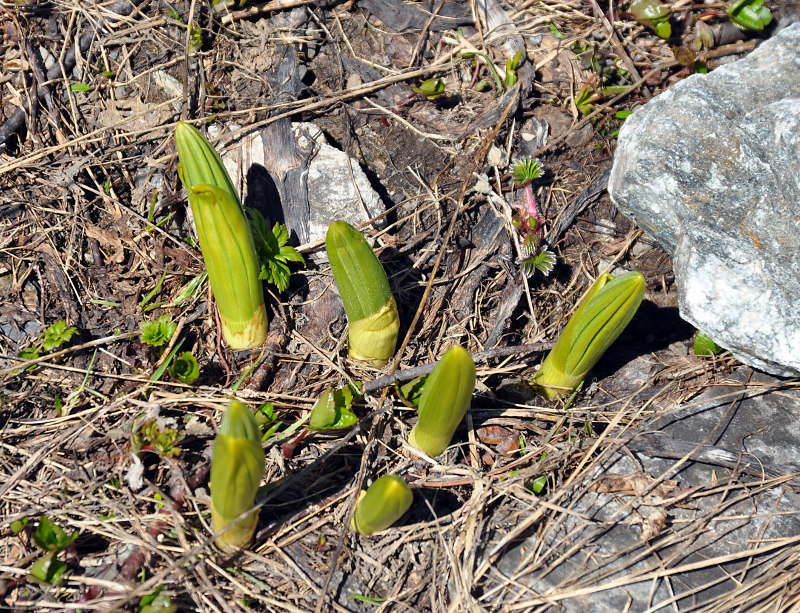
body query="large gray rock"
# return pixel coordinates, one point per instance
(711, 169)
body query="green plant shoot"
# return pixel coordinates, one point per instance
(749, 14)
(430, 88)
(273, 252)
(382, 504)
(653, 14)
(184, 368)
(366, 295)
(445, 399)
(602, 315)
(226, 241)
(332, 410)
(158, 332)
(237, 469)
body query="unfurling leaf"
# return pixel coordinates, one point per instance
(184, 368)
(602, 315)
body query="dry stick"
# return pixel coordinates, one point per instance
(425, 369)
(608, 105)
(14, 123)
(269, 7)
(50, 356)
(136, 559)
(488, 140)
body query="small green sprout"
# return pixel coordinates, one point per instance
(158, 332)
(332, 410)
(49, 537)
(364, 289)
(602, 315)
(749, 14)
(56, 335)
(52, 540)
(382, 504)
(530, 222)
(445, 399)
(430, 88)
(512, 64)
(184, 368)
(273, 252)
(51, 339)
(157, 602)
(653, 14)
(704, 346)
(237, 469)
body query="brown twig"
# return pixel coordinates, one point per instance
(482, 356)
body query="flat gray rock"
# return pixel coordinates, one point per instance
(701, 534)
(711, 169)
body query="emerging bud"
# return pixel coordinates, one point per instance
(225, 239)
(605, 311)
(386, 501)
(364, 289)
(236, 473)
(445, 398)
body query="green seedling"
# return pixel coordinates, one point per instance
(382, 504)
(57, 335)
(332, 410)
(226, 240)
(51, 339)
(530, 222)
(273, 252)
(430, 88)
(704, 346)
(512, 64)
(267, 420)
(158, 332)
(602, 315)
(184, 368)
(237, 469)
(51, 539)
(368, 301)
(653, 14)
(749, 14)
(157, 602)
(445, 399)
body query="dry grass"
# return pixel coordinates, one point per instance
(82, 190)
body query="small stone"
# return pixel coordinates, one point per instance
(495, 156)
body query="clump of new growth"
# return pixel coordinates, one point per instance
(226, 240)
(530, 222)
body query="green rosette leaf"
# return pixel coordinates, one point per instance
(445, 399)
